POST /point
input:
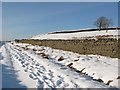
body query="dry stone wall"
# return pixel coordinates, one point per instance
(105, 47)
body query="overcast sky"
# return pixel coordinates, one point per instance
(26, 19)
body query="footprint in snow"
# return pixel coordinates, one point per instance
(58, 82)
(19, 59)
(23, 58)
(64, 68)
(29, 57)
(41, 84)
(37, 65)
(40, 72)
(27, 64)
(50, 74)
(16, 57)
(23, 66)
(32, 76)
(22, 62)
(45, 77)
(75, 85)
(26, 70)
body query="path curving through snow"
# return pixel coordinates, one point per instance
(33, 71)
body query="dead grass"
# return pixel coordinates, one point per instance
(34, 49)
(44, 55)
(108, 83)
(76, 60)
(105, 47)
(99, 80)
(61, 58)
(118, 77)
(25, 48)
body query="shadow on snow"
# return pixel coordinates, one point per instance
(9, 78)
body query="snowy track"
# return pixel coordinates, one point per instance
(34, 71)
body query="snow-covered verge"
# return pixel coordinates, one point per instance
(37, 70)
(78, 35)
(33, 58)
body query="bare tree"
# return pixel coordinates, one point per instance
(107, 23)
(103, 22)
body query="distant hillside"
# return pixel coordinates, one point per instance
(84, 30)
(80, 34)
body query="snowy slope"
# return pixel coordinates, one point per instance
(36, 71)
(76, 35)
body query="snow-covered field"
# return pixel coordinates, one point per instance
(77, 35)
(44, 67)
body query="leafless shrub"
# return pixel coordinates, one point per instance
(103, 22)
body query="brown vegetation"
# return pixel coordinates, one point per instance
(108, 83)
(61, 58)
(25, 48)
(118, 77)
(44, 55)
(105, 47)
